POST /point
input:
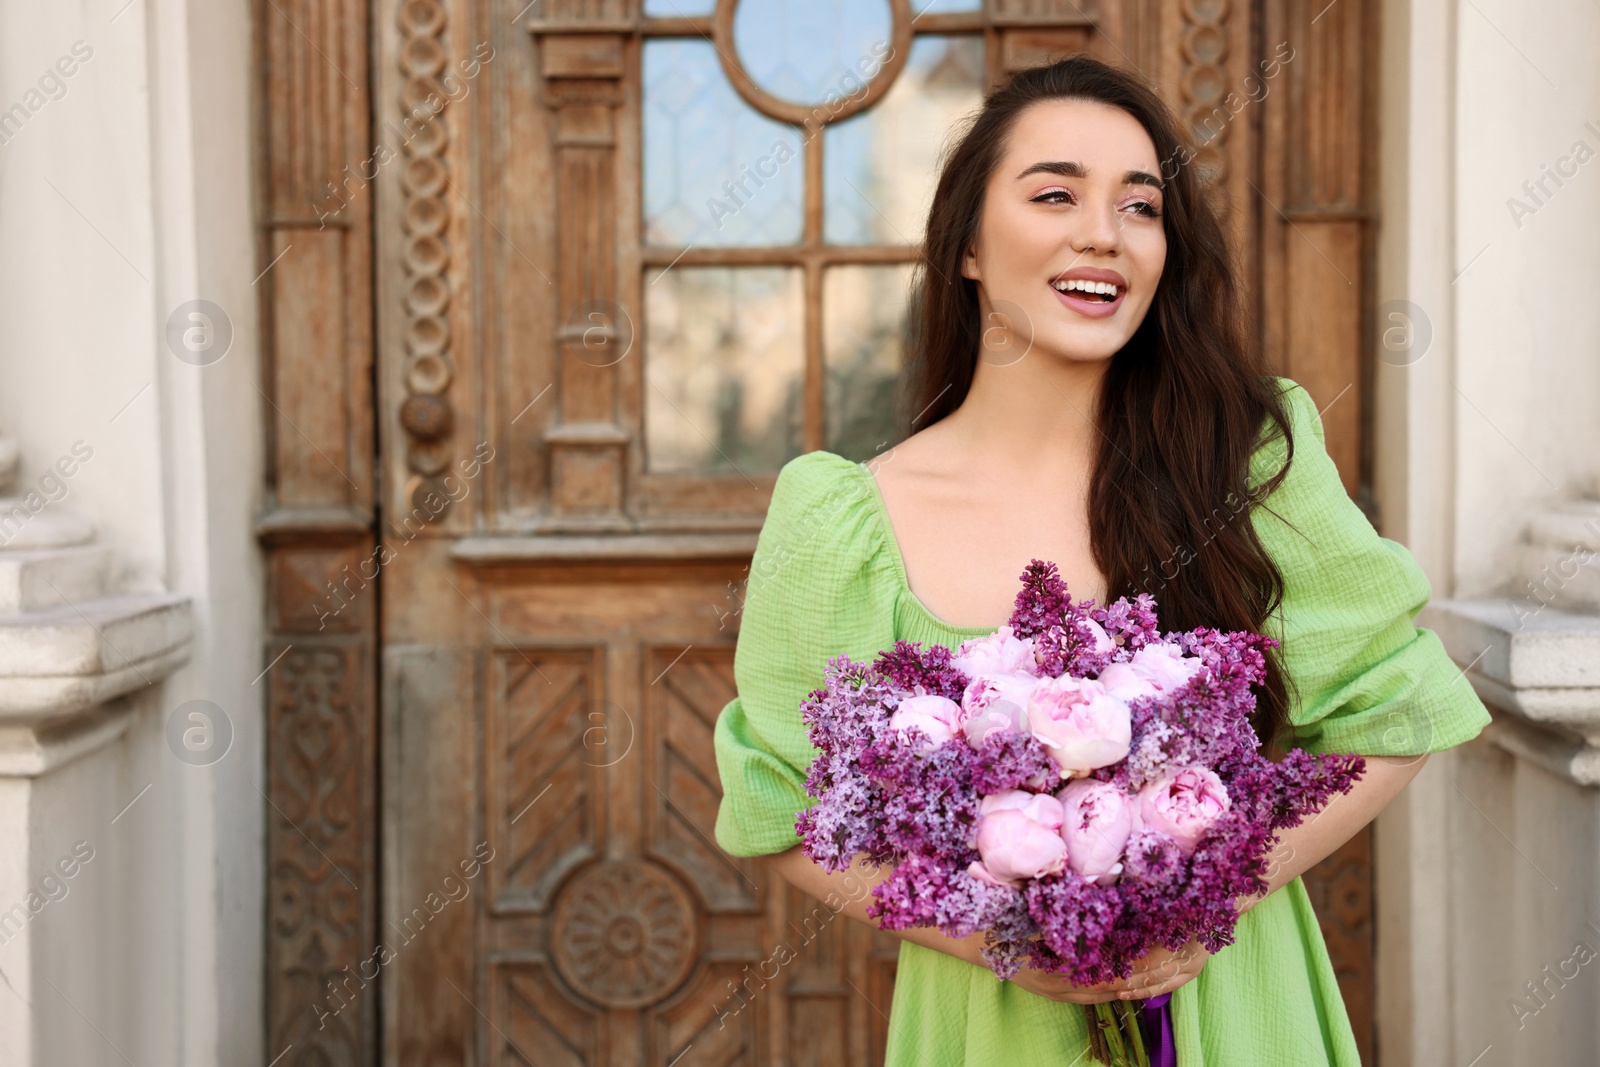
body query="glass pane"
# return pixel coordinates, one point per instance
(808, 51)
(940, 7)
(879, 168)
(864, 321)
(680, 9)
(716, 171)
(724, 360)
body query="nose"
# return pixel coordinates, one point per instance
(1098, 229)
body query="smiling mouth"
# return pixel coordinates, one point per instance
(1098, 292)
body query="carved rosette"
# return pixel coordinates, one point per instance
(624, 934)
(425, 415)
(1203, 42)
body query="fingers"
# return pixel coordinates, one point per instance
(1057, 988)
(1143, 992)
(1083, 998)
(1105, 992)
(1154, 982)
(1145, 986)
(1156, 990)
(1161, 971)
(1166, 973)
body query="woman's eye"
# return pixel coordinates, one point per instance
(1054, 196)
(1145, 208)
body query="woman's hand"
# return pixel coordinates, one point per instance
(1159, 971)
(1058, 988)
(1162, 971)
(1299, 848)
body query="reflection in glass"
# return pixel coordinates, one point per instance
(811, 51)
(880, 167)
(724, 359)
(716, 171)
(941, 7)
(864, 322)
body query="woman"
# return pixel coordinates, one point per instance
(1084, 392)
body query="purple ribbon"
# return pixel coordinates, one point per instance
(1155, 1018)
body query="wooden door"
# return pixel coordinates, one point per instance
(589, 272)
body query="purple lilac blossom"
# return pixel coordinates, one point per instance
(914, 809)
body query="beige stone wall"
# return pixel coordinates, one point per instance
(130, 583)
(1487, 445)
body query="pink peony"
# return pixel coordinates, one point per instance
(1164, 665)
(1102, 640)
(936, 716)
(996, 702)
(1097, 818)
(1183, 805)
(1081, 725)
(1000, 717)
(1019, 837)
(1002, 652)
(1126, 683)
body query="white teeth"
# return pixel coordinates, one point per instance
(1086, 286)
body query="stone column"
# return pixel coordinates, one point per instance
(1524, 932)
(80, 669)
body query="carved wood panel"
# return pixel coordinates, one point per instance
(1316, 196)
(321, 799)
(685, 704)
(317, 664)
(534, 740)
(558, 618)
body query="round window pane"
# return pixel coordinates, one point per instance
(812, 51)
(678, 9)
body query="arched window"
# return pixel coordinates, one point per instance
(789, 154)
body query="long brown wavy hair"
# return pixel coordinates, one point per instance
(1183, 404)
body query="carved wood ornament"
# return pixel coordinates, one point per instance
(317, 662)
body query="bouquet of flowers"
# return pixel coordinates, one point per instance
(1078, 786)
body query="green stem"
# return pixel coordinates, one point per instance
(1114, 1035)
(1141, 1058)
(1119, 1049)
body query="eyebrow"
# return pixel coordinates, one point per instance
(1074, 169)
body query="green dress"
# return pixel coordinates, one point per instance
(827, 578)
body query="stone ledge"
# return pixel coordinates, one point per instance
(24, 528)
(1547, 648)
(1555, 561)
(28, 752)
(57, 663)
(42, 578)
(1575, 760)
(1540, 672)
(93, 636)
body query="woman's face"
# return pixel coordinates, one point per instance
(1075, 200)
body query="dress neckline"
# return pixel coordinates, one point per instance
(880, 511)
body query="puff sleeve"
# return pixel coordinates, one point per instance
(1364, 678)
(819, 585)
